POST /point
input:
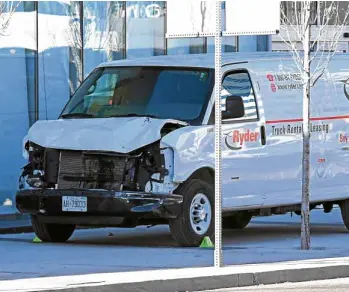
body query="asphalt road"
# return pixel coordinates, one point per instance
(337, 285)
(265, 240)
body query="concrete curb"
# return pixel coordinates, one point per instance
(194, 279)
(16, 230)
(14, 222)
(221, 282)
(10, 213)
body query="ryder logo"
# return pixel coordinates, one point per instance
(237, 138)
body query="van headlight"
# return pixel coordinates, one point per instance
(25, 148)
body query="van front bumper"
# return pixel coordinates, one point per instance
(100, 203)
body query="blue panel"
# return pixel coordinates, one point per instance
(14, 119)
(248, 43)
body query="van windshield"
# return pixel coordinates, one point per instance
(159, 92)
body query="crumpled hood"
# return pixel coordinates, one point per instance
(121, 135)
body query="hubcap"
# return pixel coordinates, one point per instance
(200, 214)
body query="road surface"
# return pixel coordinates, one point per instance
(115, 250)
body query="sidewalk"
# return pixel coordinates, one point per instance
(190, 279)
(263, 253)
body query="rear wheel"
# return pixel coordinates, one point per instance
(196, 219)
(49, 232)
(344, 205)
(238, 221)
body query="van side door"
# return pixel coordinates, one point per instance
(242, 183)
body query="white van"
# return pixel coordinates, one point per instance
(135, 146)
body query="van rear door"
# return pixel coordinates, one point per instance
(281, 90)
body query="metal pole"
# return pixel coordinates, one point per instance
(218, 259)
(81, 16)
(36, 70)
(125, 31)
(165, 26)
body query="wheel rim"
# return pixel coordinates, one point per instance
(200, 214)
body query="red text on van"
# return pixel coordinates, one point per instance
(273, 87)
(243, 137)
(343, 138)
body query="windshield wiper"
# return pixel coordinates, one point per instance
(133, 115)
(77, 115)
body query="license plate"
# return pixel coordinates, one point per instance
(74, 204)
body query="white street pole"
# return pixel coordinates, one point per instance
(218, 258)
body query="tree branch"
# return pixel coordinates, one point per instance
(6, 14)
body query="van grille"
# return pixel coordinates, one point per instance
(84, 170)
(70, 165)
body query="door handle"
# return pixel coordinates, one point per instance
(263, 136)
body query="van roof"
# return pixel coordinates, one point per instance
(200, 60)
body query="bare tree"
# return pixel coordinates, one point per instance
(7, 8)
(92, 33)
(317, 25)
(115, 40)
(206, 11)
(203, 9)
(78, 35)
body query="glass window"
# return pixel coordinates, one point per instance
(54, 7)
(291, 12)
(145, 35)
(229, 44)
(183, 46)
(333, 12)
(75, 38)
(262, 43)
(57, 52)
(159, 92)
(323, 12)
(239, 84)
(104, 32)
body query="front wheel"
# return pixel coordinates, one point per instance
(49, 232)
(196, 218)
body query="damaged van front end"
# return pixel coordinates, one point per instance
(103, 161)
(69, 179)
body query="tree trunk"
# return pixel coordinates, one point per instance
(305, 230)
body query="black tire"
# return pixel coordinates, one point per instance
(181, 228)
(344, 205)
(52, 232)
(238, 221)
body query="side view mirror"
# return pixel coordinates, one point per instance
(91, 89)
(234, 108)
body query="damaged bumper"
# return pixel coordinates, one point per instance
(97, 203)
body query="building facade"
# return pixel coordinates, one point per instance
(321, 17)
(48, 47)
